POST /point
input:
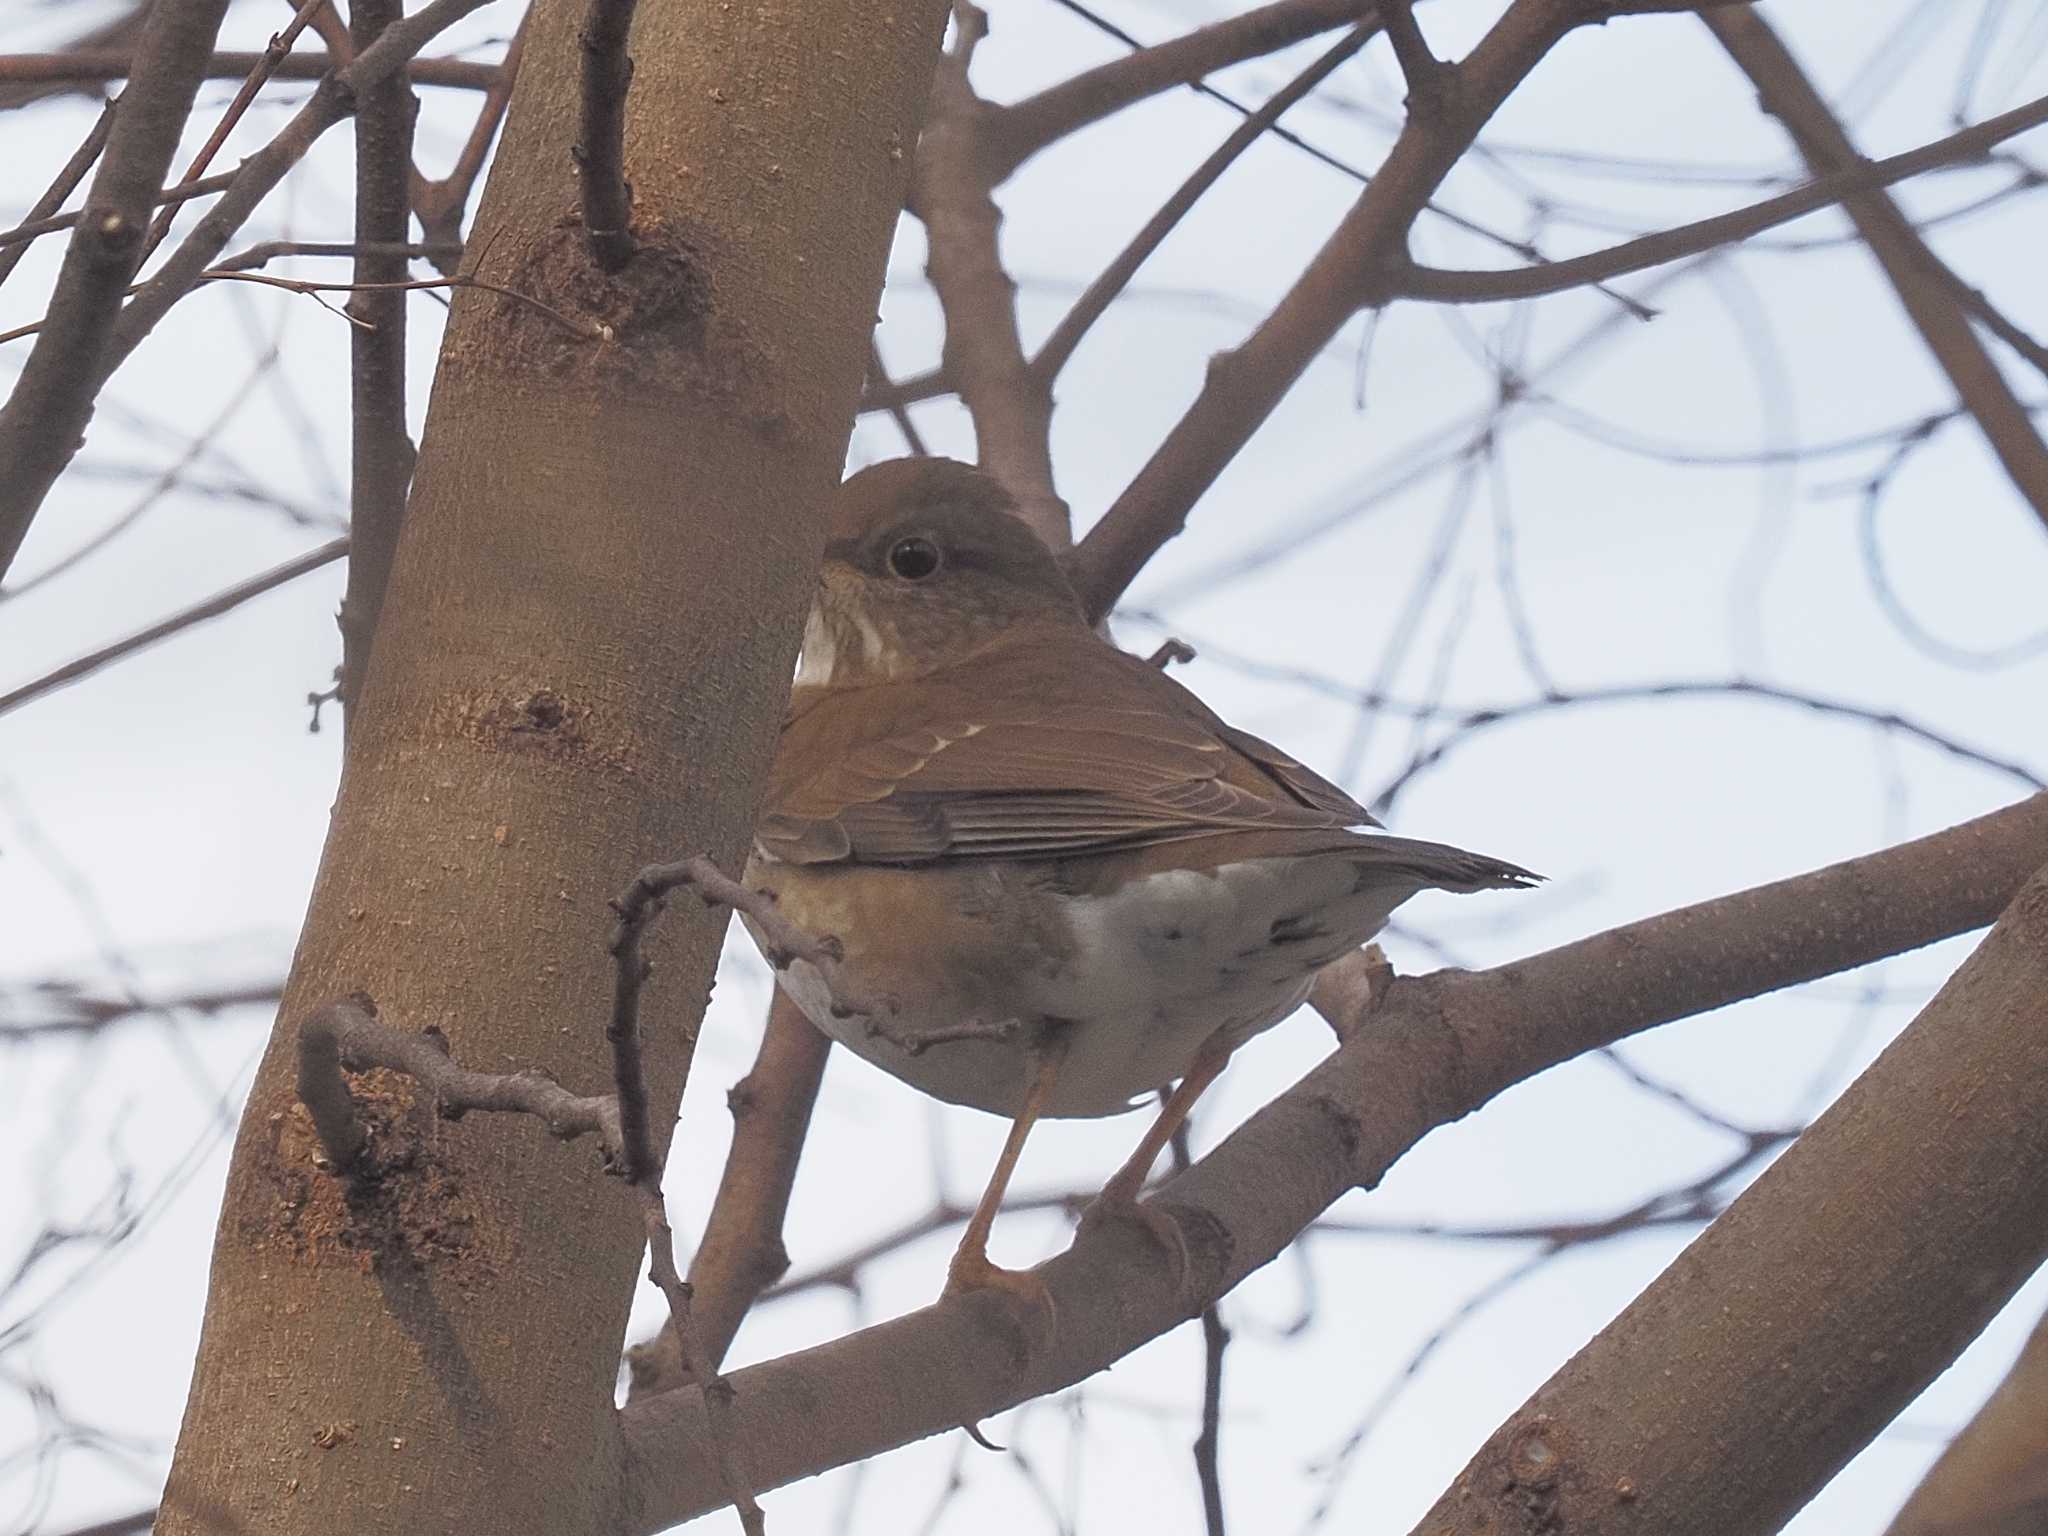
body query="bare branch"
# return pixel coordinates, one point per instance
(1445, 286)
(35, 229)
(212, 608)
(381, 453)
(600, 151)
(682, 1327)
(1245, 385)
(41, 425)
(262, 171)
(440, 204)
(45, 416)
(346, 1035)
(879, 383)
(1030, 125)
(1873, 1251)
(1929, 300)
(94, 66)
(61, 188)
(1439, 1047)
(1103, 292)
(1993, 1478)
(951, 193)
(742, 1252)
(1424, 72)
(266, 64)
(70, 1010)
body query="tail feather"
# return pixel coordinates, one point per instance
(1384, 857)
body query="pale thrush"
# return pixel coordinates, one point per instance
(1020, 834)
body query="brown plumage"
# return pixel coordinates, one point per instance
(1007, 821)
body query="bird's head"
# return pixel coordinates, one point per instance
(925, 564)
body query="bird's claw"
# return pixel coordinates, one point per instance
(1024, 1290)
(1114, 1205)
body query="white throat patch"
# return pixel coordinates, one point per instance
(825, 650)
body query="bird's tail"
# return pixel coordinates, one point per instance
(1382, 858)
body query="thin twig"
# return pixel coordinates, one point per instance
(266, 251)
(35, 229)
(718, 1393)
(213, 607)
(440, 205)
(1446, 286)
(1030, 125)
(1908, 263)
(47, 412)
(1115, 277)
(1215, 1340)
(95, 66)
(600, 151)
(61, 188)
(266, 64)
(588, 330)
(640, 903)
(1244, 386)
(347, 1035)
(879, 381)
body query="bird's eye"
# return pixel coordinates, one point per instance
(914, 558)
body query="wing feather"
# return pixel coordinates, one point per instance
(1019, 755)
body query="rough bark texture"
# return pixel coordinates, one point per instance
(583, 657)
(1839, 1285)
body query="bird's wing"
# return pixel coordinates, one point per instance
(1018, 754)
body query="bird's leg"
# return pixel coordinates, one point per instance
(1119, 1197)
(971, 1268)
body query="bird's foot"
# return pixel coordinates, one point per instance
(1023, 1290)
(1118, 1204)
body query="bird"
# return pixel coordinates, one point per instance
(1062, 877)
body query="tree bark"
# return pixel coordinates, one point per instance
(581, 664)
(1823, 1301)
(1993, 1478)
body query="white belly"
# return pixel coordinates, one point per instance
(1152, 972)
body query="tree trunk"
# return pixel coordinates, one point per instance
(582, 662)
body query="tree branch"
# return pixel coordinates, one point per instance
(212, 608)
(1917, 275)
(1827, 1296)
(440, 205)
(1028, 126)
(600, 151)
(346, 1035)
(52, 399)
(1993, 1478)
(1103, 292)
(279, 49)
(381, 453)
(60, 189)
(94, 66)
(742, 1252)
(983, 354)
(1439, 1047)
(1350, 271)
(1446, 286)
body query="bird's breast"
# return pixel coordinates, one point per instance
(1133, 974)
